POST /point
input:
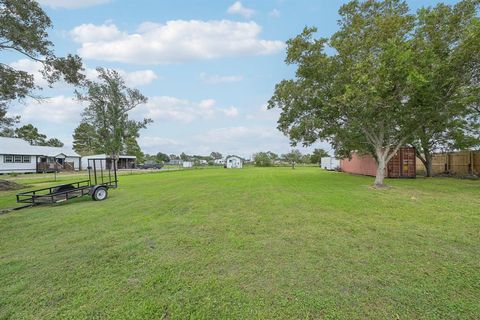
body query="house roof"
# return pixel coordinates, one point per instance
(22, 147)
(234, 156)
(103, 156)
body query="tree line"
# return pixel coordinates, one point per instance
(32, 135)
(270, 159)
(163, 158)
(387, 78)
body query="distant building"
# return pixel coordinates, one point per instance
(175, 162)
(233, 162)
(187, 164)
(330, 163)
(19, 156)
(219, 161)
(123, 162)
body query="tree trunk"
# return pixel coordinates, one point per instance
(379, 178)
(428, 164)
(293, 164)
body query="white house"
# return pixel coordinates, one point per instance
(17, 155)
(233, 162)
(329, 163)
(123, 162)
(219, 161)
(187, 164)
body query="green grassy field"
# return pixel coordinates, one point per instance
(247, 244)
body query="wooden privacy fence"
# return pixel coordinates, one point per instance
(460, 163)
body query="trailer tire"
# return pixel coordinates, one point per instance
(100, 194)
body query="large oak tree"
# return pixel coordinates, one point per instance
(355, 97)
(364, 94)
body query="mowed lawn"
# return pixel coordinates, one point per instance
(247, 244)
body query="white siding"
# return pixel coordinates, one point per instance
(7, 167)
(330, 163)
(187, 164)
(234, 162)
(76, 162)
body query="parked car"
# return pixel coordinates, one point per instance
(150, 165)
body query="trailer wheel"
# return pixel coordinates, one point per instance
(100, 194)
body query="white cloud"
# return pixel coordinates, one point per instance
(238, 8)
(173, 42)
(132, 79)
(181, 110)
(274, 13)
(151, 142)
(72, 4)
(240, 140)
(215, 78)
(92, 33)
(55, 110)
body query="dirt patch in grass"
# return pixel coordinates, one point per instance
(9, 185)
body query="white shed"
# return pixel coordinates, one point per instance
(123, 162)
(233, 162)
(187, 164)
(330, 163)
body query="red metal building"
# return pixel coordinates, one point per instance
(402, 165)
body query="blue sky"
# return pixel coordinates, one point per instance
(208, 67)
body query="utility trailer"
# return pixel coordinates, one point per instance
(101, 177)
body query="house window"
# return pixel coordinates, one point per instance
(17, 159)
(26, 159)
(8, 158)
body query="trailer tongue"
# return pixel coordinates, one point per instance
(102, 175)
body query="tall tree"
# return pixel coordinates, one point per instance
(216, 155)
(162, 157)
(85, 140)
(54, 142)
(354, 98)
(24, 27)
(445, 44)
(109, 102)
(262, 159)
(293, 157)
(317, 155)
(184, 156)
(31, 134)
(132, 148)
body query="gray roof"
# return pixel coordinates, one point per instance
(104, 156)
(22, 147)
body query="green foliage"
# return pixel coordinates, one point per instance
(293, 157)
(30, 133)
(54, 142)
(246, 244)
(355, 98)
(317, 155)
(445, 64)
(263, 159)
(184, 156)
(216, 155)
(162, 157)
(109, 102)
(85, 140)
(24, 28)
(391, 74)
